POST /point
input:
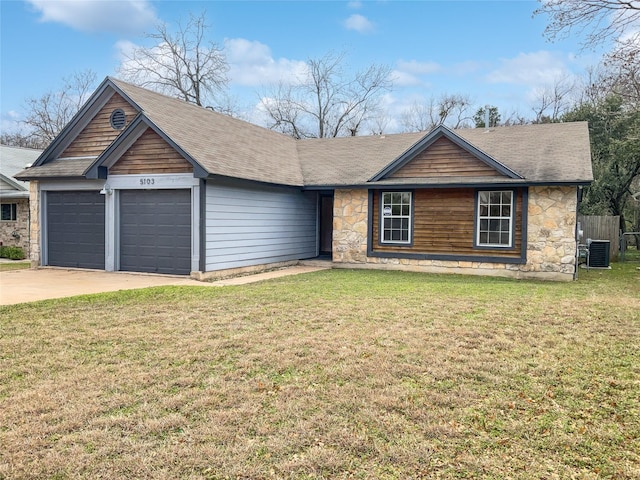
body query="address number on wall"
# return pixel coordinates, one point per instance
(147, 181)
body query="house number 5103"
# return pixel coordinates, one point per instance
(147, 181)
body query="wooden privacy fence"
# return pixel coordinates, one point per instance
(601, 227)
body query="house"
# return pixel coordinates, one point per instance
(14, 196)
(142, 182)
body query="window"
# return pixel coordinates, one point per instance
(495, 219)
(9, 212)
(396, 217)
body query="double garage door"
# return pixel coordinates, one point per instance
(154, 230)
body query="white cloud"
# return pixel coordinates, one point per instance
(125, 48)
(354, 5)
(465, 68)
(359, 23)
(405, 79)
(251, 64)
(529, 69)
(10, 122)
(409, 73)
(418, 68)
(122, 17)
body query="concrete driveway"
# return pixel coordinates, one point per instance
(29, 285)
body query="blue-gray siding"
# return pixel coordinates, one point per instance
(252, 226)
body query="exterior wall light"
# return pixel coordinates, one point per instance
(106, 190)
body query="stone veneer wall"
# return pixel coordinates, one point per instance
(551, 245)
(34, 205)
(19, 227)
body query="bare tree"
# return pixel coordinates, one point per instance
(48, 114)
(552, 101)
(623, 70)
(514, 118)
(183, 64)
(591, 86)
(419, 116)
(285, 112)
(379, 123)
(327, 102)
(600, 20)
(453, 110)
(21, 139)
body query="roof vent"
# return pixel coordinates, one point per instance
(118, 119)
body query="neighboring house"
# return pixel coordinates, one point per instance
(142, 182)
(14, 196)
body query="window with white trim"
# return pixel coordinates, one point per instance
(396, 217)
(9, 212)
(495, 218)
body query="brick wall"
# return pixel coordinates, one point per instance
(16, 233)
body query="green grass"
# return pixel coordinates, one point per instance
(14, 265)
(335, 374)
(632, 255)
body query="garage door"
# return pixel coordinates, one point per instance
(155, 231)
(75, 229)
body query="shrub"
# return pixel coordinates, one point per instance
(12, 253)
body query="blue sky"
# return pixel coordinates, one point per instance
(493, 51)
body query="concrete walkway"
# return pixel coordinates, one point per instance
(28, 285)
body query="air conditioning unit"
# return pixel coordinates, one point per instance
(598, 253)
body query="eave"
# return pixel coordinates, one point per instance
(414, 184)
(12, 183)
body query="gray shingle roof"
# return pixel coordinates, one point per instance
(60, 168)
(224, 146)
(350, 160)
(552, 152)
(14, 159)
(558, 152)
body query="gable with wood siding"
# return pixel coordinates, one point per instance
(444, 158)
(148, 155)
(99, 133)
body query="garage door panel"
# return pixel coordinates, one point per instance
(155, 231)
(75, 229)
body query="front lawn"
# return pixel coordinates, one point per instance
(14, 265)
(334, 374)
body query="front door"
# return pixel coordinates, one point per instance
(326, 224)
